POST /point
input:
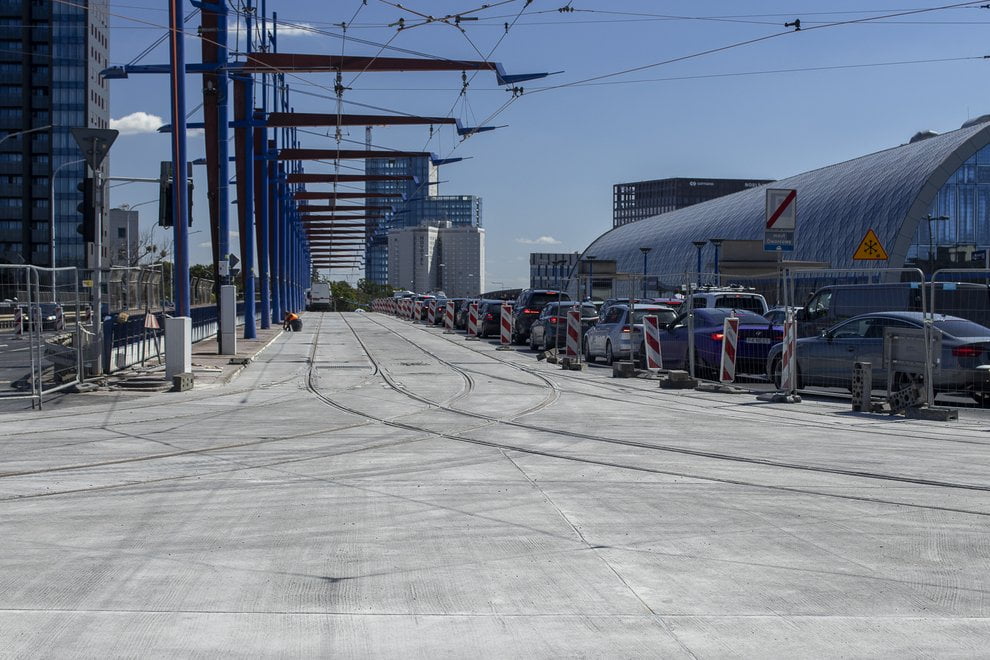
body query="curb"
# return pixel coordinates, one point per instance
(227, 378)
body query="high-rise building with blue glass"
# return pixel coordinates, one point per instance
(51, 54)
(421, 206)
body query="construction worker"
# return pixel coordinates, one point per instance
(292, 322)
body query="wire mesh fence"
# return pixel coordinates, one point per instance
(43, 339)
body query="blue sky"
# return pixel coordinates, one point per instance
(846, 84)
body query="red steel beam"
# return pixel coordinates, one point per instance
(343, 195)
(304, 62)
(311, 208)
(346, 154)
(346, 178)
(294, 119)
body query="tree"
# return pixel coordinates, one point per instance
(370, 290)
(344, 296)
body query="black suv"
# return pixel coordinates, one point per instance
(528, 306)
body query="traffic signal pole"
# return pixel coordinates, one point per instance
(180, 185)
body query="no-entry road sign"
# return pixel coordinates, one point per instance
(781, 220)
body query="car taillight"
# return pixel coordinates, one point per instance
(967, 351)
(553, 320)
(625, 328)
(531, 311)
(778, 336)
(717, 336)
(489, 316)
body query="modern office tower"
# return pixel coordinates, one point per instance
(123, 237)
(437, 258)
(51, 54)
(420, 205)
(551, 270)
(644, 199)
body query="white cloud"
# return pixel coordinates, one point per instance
(137, 123)
(542, 240)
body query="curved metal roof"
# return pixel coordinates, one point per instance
(889, 191)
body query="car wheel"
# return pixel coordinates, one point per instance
(588, 357)
(609, 356)
(982, 399)
(777, 369)
(532, 342)
(642, 356)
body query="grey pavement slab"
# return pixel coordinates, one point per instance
(415, 495)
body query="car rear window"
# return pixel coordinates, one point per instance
(718, 316)
(962, 328)
(663, 315)
(538, 300)
(748, 303)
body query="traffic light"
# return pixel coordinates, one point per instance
(166, 214)
(88, 225)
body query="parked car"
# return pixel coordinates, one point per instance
(756, 337)
(550, 329)
(827, 359)
(489, 318)
(777, 315)
(829, 305)
(527, 309)
(441, 310)
(614, 336)
(50, 314)
(424, 299)
(461, 314)
(729, 298)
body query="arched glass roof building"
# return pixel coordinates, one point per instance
(891, 192)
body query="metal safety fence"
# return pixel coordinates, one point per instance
(960, 307)
(43, 333)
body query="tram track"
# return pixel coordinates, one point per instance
(698, 453)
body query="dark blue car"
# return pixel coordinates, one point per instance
(756, 336)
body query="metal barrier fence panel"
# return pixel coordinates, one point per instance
(960, 306)
(844, 319)
(42, 331)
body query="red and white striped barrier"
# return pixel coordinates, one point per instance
(418, 311)
(788, 375)
(431, 314)
(505, 335)
(651, 328)
(730, 340)
(448, 318)
(472, 324)
(401, 308)
(573, 346)
(18, 321)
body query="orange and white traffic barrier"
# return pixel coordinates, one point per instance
(651, 328)
(788, 376)
(472, 324)
(505, 336)
(448, 318)
(573, 345)
(431, 314)
(730, 341)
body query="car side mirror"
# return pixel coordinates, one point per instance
(827, 335)
(801, 315)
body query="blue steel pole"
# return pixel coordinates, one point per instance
(275, 182)
(180, 188)
(261, 166)
(273, 230)
(223, 143)
(247, 259)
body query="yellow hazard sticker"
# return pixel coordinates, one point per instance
(870, 248)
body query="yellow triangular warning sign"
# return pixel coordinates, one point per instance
(870, 249)
(151, 322)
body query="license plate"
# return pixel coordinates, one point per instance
(757, 340)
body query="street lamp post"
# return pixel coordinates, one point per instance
(931, 246)
(645, 251)
(30, 130)
(591, 274)
(717, 242)
(51, 209)
(699, 245)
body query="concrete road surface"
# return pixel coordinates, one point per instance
(372, 488)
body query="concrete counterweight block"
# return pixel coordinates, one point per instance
(178, 346)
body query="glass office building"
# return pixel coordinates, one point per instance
(643, 199)
(420, 206)
(51, 54)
